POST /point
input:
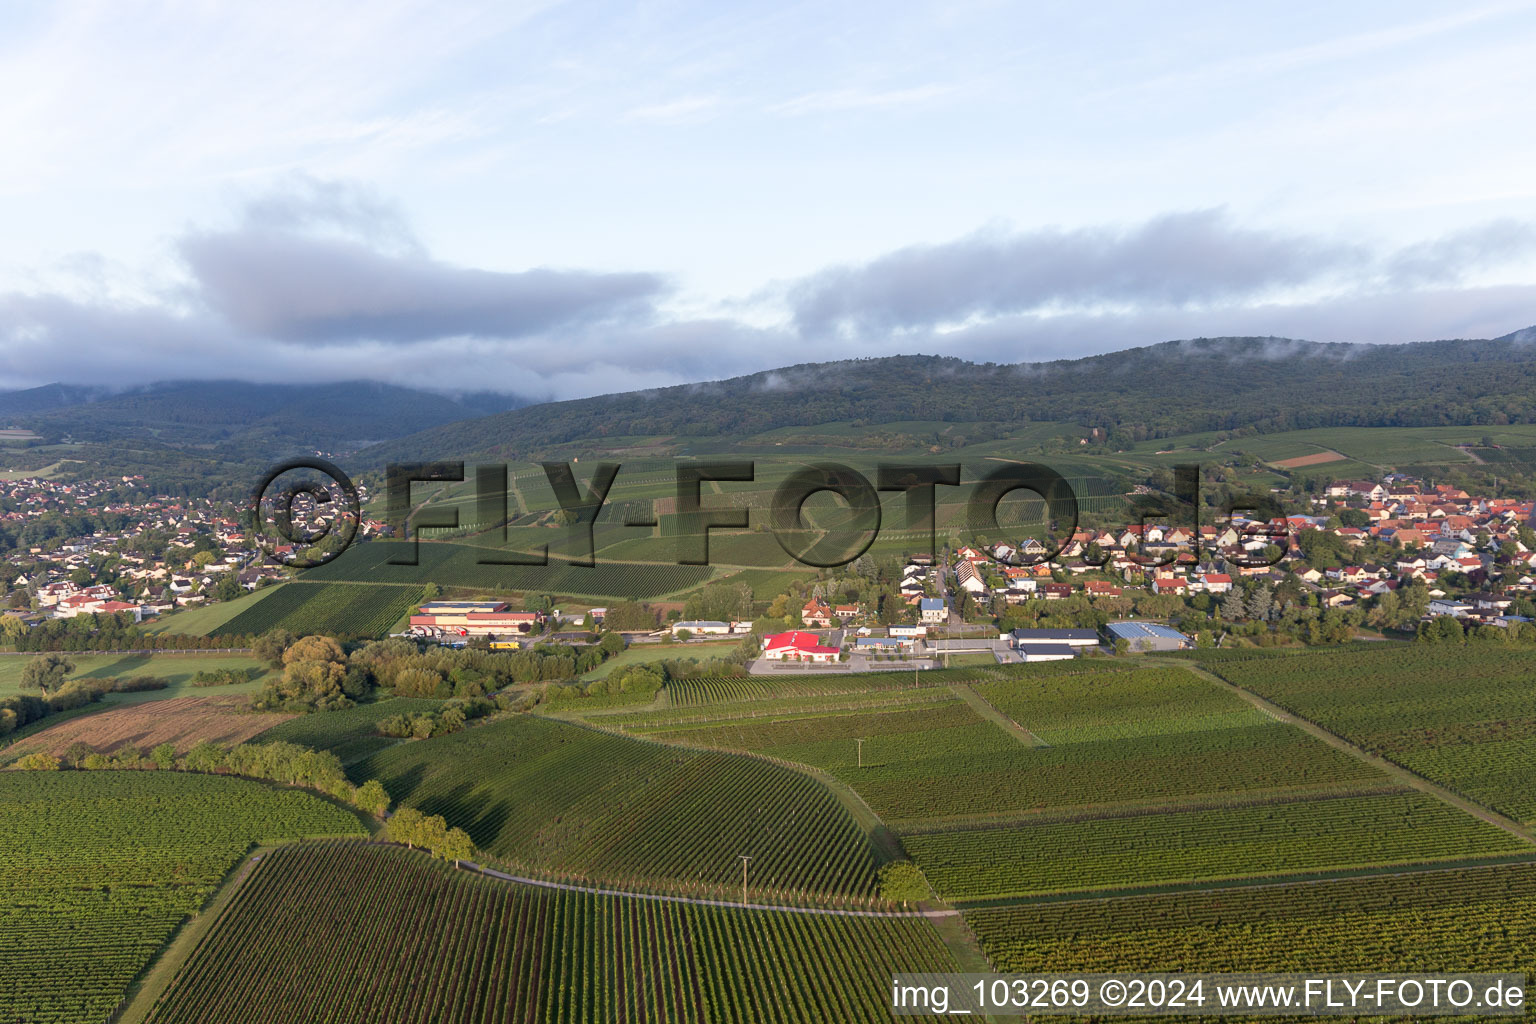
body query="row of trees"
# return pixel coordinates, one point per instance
(278, 761)
(430, 832)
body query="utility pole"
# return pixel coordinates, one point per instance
(744, 860)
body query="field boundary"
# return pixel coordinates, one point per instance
(1244, 882)
(1391, 768)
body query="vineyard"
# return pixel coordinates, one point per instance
(1481, 919)
(1113, 737)
(361, 931)
(1290, 837)
(333, 609)
(102, 866)
(459, 565)
(551, 798)
(1464, 717)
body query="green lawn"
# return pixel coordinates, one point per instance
(204, 619)
(177, 668)
(645, 654)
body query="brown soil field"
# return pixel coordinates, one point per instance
(184, 721)
(1308, 460)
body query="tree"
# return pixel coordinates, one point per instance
(39, 762)
(203, 559)
(372, 798)
(205, 756)
(455, 846)
(46, 672)
(77, 752)
(229, 588)
(1232, 606)
(12, 628)
(164, 756)
(903, 882)
(405, 826)
(271, 645)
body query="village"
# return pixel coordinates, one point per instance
(1391, 553)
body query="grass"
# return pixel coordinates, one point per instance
(649, 654)
(176, 668)
(207, 618)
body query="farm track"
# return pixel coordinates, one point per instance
(1391, 768)
(985, 709)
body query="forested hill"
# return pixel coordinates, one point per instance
(241, 420)
(1176, 387)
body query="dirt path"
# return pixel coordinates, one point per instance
(698, 902)
(985, 709)
(1396, 771)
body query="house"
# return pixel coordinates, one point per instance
(1055, 591)
(933, 610)
(1102, 588)
(797, 645)
(844, 612)
(816, 612)
(1170, 585)
(968, 579)
(1444, 606)
(1215, 582)
(909, 632)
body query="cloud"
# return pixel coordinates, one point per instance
(1177, 259)
(325, 281)
(1181, 267)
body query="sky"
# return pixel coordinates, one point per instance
(566, 199)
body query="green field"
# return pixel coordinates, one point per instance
(360, 931)
(176, 668)
(1475, 920)
(102, 866)
(207, 618)
(1462, 716)
(767, 584)
(459, 565)
(336, 609)
(649, 654)
(550, 797)
(351, 733)
(1366, 448)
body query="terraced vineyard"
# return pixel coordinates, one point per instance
(1286, 838)
(1481, 919)
(344, 610)
(1462, 716)
(546, 797)
(102, 866)
(460, 565)
(361, 931)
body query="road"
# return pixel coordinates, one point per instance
(732, 904)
